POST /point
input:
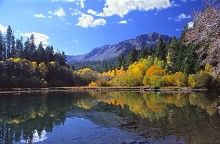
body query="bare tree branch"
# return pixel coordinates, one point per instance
(205, 34)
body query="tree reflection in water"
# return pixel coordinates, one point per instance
(193, 116)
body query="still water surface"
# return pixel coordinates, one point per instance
(109, 118)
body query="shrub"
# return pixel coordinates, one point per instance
(168, 80)
(156, 81)
(192, 80)
(101, 82)
(92, 84)
(201, 79)
(180, 79)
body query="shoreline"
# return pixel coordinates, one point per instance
(101, 89)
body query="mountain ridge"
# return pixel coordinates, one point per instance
(105, 52)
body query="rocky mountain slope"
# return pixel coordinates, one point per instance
(111, 51)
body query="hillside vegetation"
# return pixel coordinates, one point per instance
(193, 60)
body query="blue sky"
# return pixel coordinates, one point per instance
(78, 26)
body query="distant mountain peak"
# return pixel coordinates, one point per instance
(112, 51)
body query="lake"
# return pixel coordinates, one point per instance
(109, 118)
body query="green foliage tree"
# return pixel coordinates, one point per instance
(32, 48)
(60, 58)
(19, 47)
(121, 61)
(9, 40)
(1, 46)
(40, 52)
(191, 61)
(13, 48)
(25, 52)
(172, 53)
(132, 56)
(49, 54)
(160, 50)
(145, 52)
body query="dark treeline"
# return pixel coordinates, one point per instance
(23, 64)
(16, 48)
(99, 66)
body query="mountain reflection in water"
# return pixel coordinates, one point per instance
(118, 117)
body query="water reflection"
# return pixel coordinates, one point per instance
(192, 117)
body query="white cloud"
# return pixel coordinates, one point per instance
(3, 28)
(40, 15)
(177, 29)
(90, 11)
(89, 21)
(75, 12)
(60, 12)
(123, 7)
(77, 2)
(38, 37)
(82, 3)
(123, 22)
(182, 16)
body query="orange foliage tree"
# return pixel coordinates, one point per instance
(153, 77)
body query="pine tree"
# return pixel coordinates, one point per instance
(49, 54)
(40, 52)
(60, 58)
(13, 50)
(32, 48)
(63, 59)
(179, 64)
(9, 41)
(121, 61)
(191, 60)
(160, 51)
(25, 54)
(19, 47)
(172, 53)
(1, 46)
(142, 53)
(4, 51)
(132, 56)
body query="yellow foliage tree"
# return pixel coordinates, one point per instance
(180, 79)
(88, 75)
(153, 77)
(169, 80)
(201, 79)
